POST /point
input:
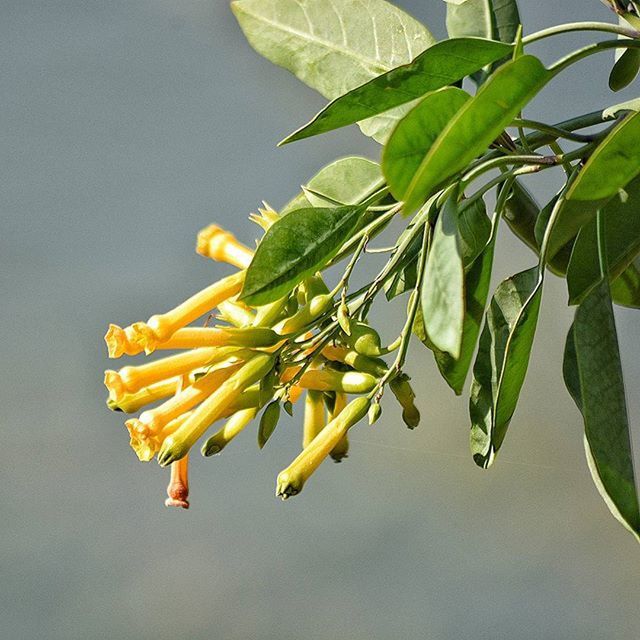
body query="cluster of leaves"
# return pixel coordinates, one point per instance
(449, 117)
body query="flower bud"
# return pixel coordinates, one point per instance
(234, 425)
(404, 394)
(365, 340)
(292, 479)
(317, 306)
(341, 450)
(375, 411)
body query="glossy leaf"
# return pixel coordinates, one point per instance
(493, 19)
(521, 213)
(335, 45)
(610, 168)
(416, 133)
(474, 229)
(625, 289)
(294, 247)
(501, 364)
(593, 375)
(476, 125)
(621, 221)
(625, 70)
(268, 422)
(442, 294)
(440, 65)
(347, 180)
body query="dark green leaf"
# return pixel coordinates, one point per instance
(440, 65)
(521, 213)
(268, 422)
(474, 229)
(442, 294)
(625, 289)
(346, 180)
(335, 46)
(475, 126)
(610, 168)
(625, 70)
(502, 361)
(415, 134)
(593, 375)
(294, 247)
(621, 221)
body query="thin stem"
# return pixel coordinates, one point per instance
(550, 129)
(405, 336)
(604, 27)
(589, 50)
(496, 163)
(602, 249)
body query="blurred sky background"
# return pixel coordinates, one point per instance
(127, 126)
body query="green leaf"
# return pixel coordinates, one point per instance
(593, 376)
(476, 285)
(347, 180)
(406, 276)
(521, 213)
(294, 247)
(476, 125)
(625, 289)
(477, 245)
(493, 19)
(474, 229)
(442, 293)
(625, 70)
(440, 65)
(415, 134)
(268, 422)
(502, 361)
(614, 163)
(335, 45)
(621, 222)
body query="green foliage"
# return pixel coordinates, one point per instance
(593, 375)
(502, 361)
(296, 247)
(444, 151)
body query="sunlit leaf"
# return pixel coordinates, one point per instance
(494, 19)
(440, 65)
(625, 289)
(475, 126)
(610, 168)
(295, 247)
(335, 45)
(443, 287)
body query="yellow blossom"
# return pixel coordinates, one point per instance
(292, 479)
(341, 450)
(162, 326)
(179, 443)
(220, 245)
(314, 417)
(132, 402)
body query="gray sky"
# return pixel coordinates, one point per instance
(129, 125)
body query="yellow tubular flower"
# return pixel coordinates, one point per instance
(341, 450)
(178, 489)
(121, 341)
(235, 424)
(222, 246)
(132, 402)
(375, 366)
(145, 443)
(161, 327)
(179, 443)
(155, 419)
(329, 380)
(314, 417)
(292, 479)
(194, 337)
(266, 217)
(236, 313)
(133, 379)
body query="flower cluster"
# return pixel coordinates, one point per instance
(252, 359)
